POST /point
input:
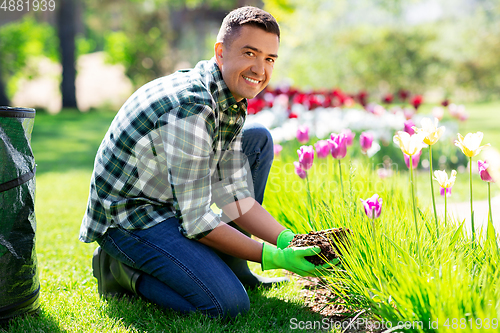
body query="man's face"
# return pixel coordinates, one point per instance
(248, 62)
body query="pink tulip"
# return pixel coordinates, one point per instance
(483, 171)
(322, 148)
(408, 127)
(306, 157)
(415, 160)
(303, 134)
(277, 149)
(349, 135)
(338, 145)
(447, 190)
(366, 141)
(299, 171)
(373, 206)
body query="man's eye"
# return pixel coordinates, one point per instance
(250, 54)
(270, 60)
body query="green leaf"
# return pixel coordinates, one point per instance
(403, 253)
(457, 234)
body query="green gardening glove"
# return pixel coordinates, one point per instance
(284, 239)
(291, 259)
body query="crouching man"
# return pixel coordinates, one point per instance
(175, 148)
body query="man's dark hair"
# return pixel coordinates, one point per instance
(246, 16)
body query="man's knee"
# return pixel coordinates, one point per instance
(235, 305)
(257, 133)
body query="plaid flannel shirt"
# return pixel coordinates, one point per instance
(173, 149)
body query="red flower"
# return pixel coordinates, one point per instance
(362, 97)
(403, 94)
(445, 103)
(255, 105)
(416, 101)
(388, 98)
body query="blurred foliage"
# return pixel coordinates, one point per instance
(351, 44)
(21, 43)
(374, 46)
(145, 36)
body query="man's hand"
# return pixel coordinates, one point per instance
(284, 239)
(291, 259)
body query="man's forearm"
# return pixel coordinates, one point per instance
(253, 218)
(231, 241)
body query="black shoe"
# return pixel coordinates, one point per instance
(114, 278)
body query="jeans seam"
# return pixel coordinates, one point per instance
(130, 262)
(183, 267)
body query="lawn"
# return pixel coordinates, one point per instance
(64, 146)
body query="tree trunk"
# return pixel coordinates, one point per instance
(4, 101)
(66, 31)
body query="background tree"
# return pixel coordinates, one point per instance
(4, 101)
(66, 31)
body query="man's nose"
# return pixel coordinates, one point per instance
(258, 67)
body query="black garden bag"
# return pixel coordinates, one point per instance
(19, 284)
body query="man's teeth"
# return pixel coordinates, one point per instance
(251, 80)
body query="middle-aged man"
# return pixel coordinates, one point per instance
(175, 148)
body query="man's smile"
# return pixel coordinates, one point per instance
(251, 80)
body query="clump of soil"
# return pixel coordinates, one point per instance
(326, 240)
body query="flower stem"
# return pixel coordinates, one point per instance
(432, 192)
(414, 206)
(489, 204)
(471, 207)
(373, 227)
(310, 200)
(445, 199)
(340, 177)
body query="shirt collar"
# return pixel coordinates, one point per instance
(225, 98)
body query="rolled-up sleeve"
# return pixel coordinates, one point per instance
(188, 143)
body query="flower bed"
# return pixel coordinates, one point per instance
(404, 263)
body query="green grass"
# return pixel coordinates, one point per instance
(64, 146)
(401, 277)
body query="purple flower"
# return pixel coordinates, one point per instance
(409, 124)
(322, 148)
(277, 149)
(338, 145)
(303, 134)
(366, 141)
(306, 157)
(482, 167)
(299, 171)
(349, 136)
(447, 190)
(415, 159)
(372, 206)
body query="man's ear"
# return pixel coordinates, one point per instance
(218, 50)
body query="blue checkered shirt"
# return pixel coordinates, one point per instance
(173, 149)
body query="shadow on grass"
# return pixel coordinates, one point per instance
(267, 314)
(68, 140)
(41, 322)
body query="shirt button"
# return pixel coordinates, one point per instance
(231, 122)
(235, 106)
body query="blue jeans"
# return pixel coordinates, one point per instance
(183, 274)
